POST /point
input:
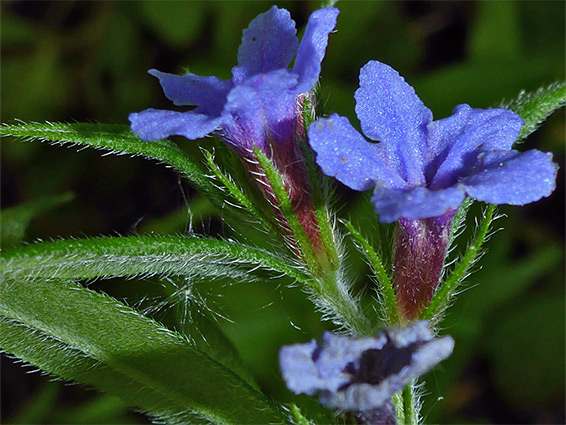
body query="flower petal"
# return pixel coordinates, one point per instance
(412, 360)
(362, 374)
(310, 368)
(269, 43)
(512, 177)
(261, 110)
(298, 368)
(391, 112)
(313, 47)
(339, 353)
(343, 153)
(207, 92)
(154, 124)
(419, 202)
(455, 140)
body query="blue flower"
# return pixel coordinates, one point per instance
(423, 168)
(361, 375)
(261, 104)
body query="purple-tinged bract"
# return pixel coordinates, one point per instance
(261, 104)
(423, 168)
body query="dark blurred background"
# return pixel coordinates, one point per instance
(87, 61)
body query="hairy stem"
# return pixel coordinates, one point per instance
(409, 408)
(336, 301)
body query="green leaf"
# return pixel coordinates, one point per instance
(535, 107)
(444, 294)
(209, 337)
(70, 331)
(321, 196)
(135, 256)
(386, 288)
(116, 138)
(15, 220)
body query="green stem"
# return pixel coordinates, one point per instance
(337, 300)
(409, 411)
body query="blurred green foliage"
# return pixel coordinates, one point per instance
(87, 61)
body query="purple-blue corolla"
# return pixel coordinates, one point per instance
(423, 168)
(362, 374)
(262, 104)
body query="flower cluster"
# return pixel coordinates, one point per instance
(423, 168)
(361, 375)
(420, 171)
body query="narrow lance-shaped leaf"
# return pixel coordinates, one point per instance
(535, 107)
(459, 219)
(386, 287)
(237, 193)
(134, 256)
(320, 199)
(115, 138)
(81, 335)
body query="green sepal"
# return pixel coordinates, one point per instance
(410, 405)
(309, 112)
(329, 288)
(459, 219)
(391, 316)
(445, 292)
(320, 196)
